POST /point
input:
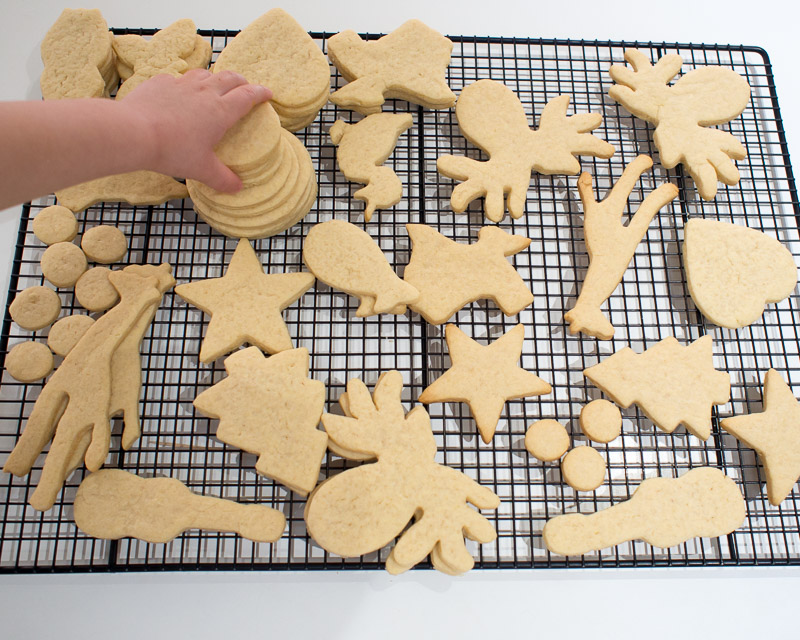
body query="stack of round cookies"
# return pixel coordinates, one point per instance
(279, 180)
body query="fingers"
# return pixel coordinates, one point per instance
(240, 99)
(225, 81)
(219, 177)
(197, 74)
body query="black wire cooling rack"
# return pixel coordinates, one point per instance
(651, 303)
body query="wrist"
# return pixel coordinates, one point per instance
(139, 139)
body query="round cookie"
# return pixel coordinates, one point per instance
(104, 244)
(601, 421)
(66, 333)
(583, 469)
(29, 361)
(94, 291)
(55, 224)
(547, 440)
(63, 263)
(35, 308)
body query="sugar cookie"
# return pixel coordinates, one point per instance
(410, 64)
(94, 290)
(662, 511)
(671, 383)
(99, 378)
(601, 421)
(245, 304)
(35, 308)
(583, 468)
(66, 333)
(77, 55)
(684, 114)
(136, 188)
(274, 50)
(361, 510)
(164, 53)
(732, 272)
(104, 244)
(492, 118)
(611, 244)
(63, 263)
(362, 149)
(112, 504)
(270, 407)
(347, 258)
(775, 435)
(547, 440)
(29, 361)
(484, 377)
(55, 224)
(449, 275)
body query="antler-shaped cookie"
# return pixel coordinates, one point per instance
(363, 148)
(611, 244)
(682, 112)
(363, 509)
(492, 118)
(90, 386)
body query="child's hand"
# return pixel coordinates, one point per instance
(184, 118)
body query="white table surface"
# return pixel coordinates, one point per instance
(713, 603)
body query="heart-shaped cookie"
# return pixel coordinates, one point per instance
(733, 271)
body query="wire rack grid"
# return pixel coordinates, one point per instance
(651, 303)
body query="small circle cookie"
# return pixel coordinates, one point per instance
(583, 469)
(35, 308)
(29, 361)
(55, 224)
(547, 440)
(601, 421)
(63, 263)
(104, 244)
(94, 290)
(67, 332)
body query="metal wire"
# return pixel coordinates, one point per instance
(651, 303)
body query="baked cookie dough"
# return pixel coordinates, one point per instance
(66, 333)
(29, 361)
(63, 263)
(55, 224)
(601, 420)
(547, 440)
(583, 469)
(94, 290)
(104, 244)
(35, 308)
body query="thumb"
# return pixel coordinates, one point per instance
(240, 100)
(217, 176)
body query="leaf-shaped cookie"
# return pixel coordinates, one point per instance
(733, 271)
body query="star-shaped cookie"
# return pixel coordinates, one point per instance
(245, 305)
(775, 435)
(484, 377)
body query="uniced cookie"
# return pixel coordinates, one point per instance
(136, 188)
(55, 224)
(733, 272)
(35, 308)
(583, 469)
(662, 511)
(94, 290)
(63, 263)
(547, 440)
(66, 333)
(410, 64)
(29, 361)
(104, 244)
(601, 420)
(484, 377)
(684, 114)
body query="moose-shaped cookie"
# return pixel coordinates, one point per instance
(362, 510)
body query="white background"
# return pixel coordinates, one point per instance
(712, 603)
